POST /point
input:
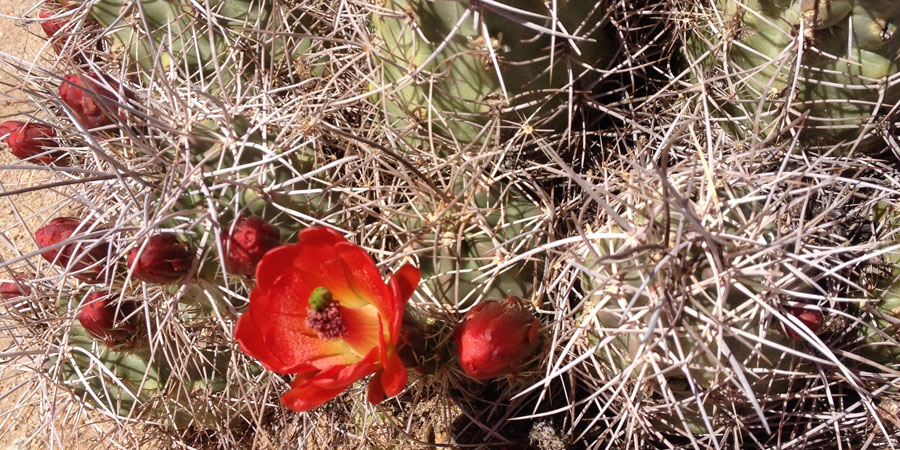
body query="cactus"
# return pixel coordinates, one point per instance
(474, 246)
(713, 331)
(828, 65)
(179, 36)
(462, 73)
(666, 310)
(879, 329)
(131, 378)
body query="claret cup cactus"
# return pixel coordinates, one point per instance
(425, 223)
(467, 72)
(828, 65)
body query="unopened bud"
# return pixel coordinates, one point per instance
(163, 259)
(811, 318)
(28, 140)
(13, 289)
(82, 95)
(249, 238)
(83, 256)
(98, 316)
(50, 26)
(496, 339)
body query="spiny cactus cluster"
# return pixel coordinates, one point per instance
(406, 223)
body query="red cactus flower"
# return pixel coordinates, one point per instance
(813, 320)
(496, 339)
(321, 310)
(98, 316)
(83, 256)
(249, 239)
(50, 26)
(28, 140)
(13, 289)
(162, 259)
(82, 95)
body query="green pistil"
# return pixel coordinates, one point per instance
(319, 299)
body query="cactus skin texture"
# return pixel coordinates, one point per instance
(188, 42)
(851, 47)
(141, 381)
(464, 260)
(880, 335)
(634, 283)
(458, 92)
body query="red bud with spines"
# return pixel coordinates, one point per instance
(247, 240)
(98, 317)
(50, 26)
(811, 318)
(82, 94)
(28, 140)
(13, 289)
(89, 253)
(162, 259)
(496, 339)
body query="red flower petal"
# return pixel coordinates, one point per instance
(283, 343)
(308, 392)
(402, 284)
(365, 281)
(321, 235)
(273, 264)
(362, 328)
(250, 339)
(394, 375)
(275, 330)
(304, 396)
(376, 390)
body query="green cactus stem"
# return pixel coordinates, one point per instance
(440, 65)
(828, 64)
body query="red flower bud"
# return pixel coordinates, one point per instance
(13, 289)
(27, 140)
(163, 259)
(50, 26)
(813, 320)
(98, 316)
(82, 95)
(496, 339)
(249, 239)
(88, 253)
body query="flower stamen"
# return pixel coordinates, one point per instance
(324, 315)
